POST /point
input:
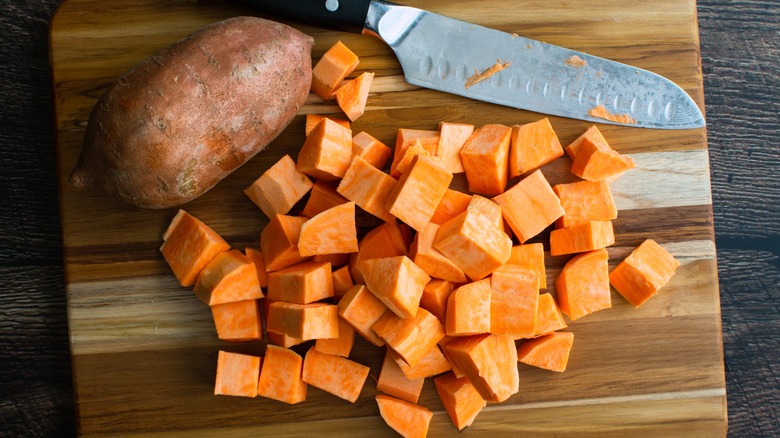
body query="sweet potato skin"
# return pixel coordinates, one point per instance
(183, 119)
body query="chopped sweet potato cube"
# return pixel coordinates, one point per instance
(432, 364)
(386, 240)
(489, 362)
(580, 238)
(373, 151)
(239, 321)
(340, 346)
(452, 137)
(279, 241)
(322, 197)
(334, 374)
(331, 232)
(393, 381)
(583, 284)
(530, 206)
(280, 376)
(443, 346)
(335, 65)
(460, 399)
(408, 137)
(353, 96)
(256, 257)
(189, 245)
(229, 277)
(335, 260)
(410, 338)
(342, 281)
(597, 161)
(474, 243)
(485, 159)
(368, 187)
(327, 151)
(513, 301)
(592, 133)
(418, 192)
(452, 204)
(548, 316)
(397, 282)
(279, 188)
(585, 201)
(646, 270)
(434, 297)
(530, 255)
(430, 259)
(411, 152)
(532, 146)
(361, 309)
(550, 351)
(468, 309)
(303, 321)
(313, 119)
(237, 374)
(279, 339)
(303, 283)
(408, 419)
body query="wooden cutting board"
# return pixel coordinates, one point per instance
(144, 349)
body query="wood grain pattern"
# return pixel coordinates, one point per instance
(144, 350)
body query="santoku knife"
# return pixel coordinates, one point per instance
(469, 60)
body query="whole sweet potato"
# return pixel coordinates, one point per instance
(183, 119)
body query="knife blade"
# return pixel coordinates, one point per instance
(477, 62)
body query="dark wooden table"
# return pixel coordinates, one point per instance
(740, 45)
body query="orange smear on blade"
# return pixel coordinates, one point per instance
(602, 112)
(488, 72)
(575, 61)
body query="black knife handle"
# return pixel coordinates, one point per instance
(345, 15)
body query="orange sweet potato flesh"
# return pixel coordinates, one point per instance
(331, 232)
(468, 309)
(369, 148)
(361, 309)
(530, 206)
(239, 321)
(418, 192)
(302, 283)
(368, 187)
(530, 255)
(353, 96)
(335, 65)
(597, 161)
(646, 270)
(237, 374)
(322, 197)
(533, 145)
(452, 137)
(189, 245)
(280, 339)
(550, 351)
(279, 241)
(514, 300)
(313, 119)
(460, 399)
(342, 281)
(474, 243)
(406, 138)
(592, 133)
(280, 376)
(434, 297)
(582, 286)
(485, 159)
(408, 419)
(303, 321)
(256, 257)
(335, 374)
(386, 240)
(279, 188)
(548, 316)
(583, 237)
(228, 277)
(585, 201)
(397, 282)
(490, 363)
(340, 346)
(140, 141)
(327, 151)
(452, 204)
(393, 381)
(430, 259)
(410, 338)
(433, 363)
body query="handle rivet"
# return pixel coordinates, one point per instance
(331, 5)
